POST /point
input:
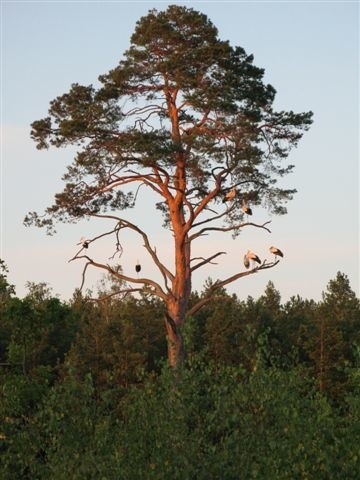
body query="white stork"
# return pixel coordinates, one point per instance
(84, 242)
(251, 256)
(276, 252)
(230, 195)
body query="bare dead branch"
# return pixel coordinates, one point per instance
(119, 247)
(137, 191)
(139, 110)
(156, 288)
(229, 229)
(123, 292)
(216, 217)
(221, 283)
(84, 273)
(164, 271)
(91, 240)
(76, 254)
(122, 223)
(206, 260)
(263, 266)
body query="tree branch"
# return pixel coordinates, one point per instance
(119, 292)
(206, 260)
(211, 195)
(126, 224)
(221, 283)
(139, 110)
(157, 290)
(228, 229)
(89, 241)
(145, 178)
(216, 217)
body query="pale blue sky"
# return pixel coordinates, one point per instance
(310, 53)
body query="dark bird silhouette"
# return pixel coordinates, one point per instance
(137, 267)
(84, 243)
(245, 207)
(276, 252)
(230, 195)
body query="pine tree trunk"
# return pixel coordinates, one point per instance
(175, 343)
(178, 300)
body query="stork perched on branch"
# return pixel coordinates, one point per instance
(276, 252)
(250, 256)
(230, 195)
(84, 242)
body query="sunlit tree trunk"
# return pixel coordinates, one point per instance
(175, 342)
(178, 300)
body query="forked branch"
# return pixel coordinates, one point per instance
(206, 260)
(124, 292)
(122, 223)
(221, 283)
(149, 284)
(229, 229)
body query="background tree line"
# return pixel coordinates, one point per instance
(268, 390)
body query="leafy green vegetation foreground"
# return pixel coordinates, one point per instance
(268, 390)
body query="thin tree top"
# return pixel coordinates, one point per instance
(184, 113)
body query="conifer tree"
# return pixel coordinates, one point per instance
(333, 335)
(189, 116)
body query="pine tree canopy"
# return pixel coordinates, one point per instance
(184, 113)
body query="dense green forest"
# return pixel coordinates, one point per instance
(269, 390)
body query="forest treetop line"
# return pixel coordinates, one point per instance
(84, 384)
(106, 286)
(323, 338)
